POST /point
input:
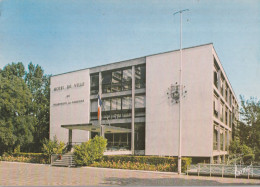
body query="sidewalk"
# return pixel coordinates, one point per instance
(25, 174)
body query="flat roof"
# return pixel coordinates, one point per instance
(134, 59)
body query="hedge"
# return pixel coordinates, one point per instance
(154, 163)
(26, 157)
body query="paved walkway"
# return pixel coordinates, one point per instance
(24, 174)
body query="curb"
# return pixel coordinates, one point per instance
(143, 171)
(24, 163)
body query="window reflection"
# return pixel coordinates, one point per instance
(140, 76)
(117, 80)
(94, 84)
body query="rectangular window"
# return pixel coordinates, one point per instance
(94, 106)
(226, 140)
(215, 138)
(226, 93)
(106, 105)
(116, 104)
(226, 116)
(221, 139)
(140, 76)
(106, 82)
(140, 101)
(127, 79)
(140, 106)
(215, 106)
(94, 84)
(221, 112)
(116, 81)
(126, 103)
(93, 110)
(230, 119)
(216, 79)
(222, 86)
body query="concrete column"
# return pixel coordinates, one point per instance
(102, 133)
(224, 139)
(218, 143)
(133, 112)
(211, 160)
(70, 140)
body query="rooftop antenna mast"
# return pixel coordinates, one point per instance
(180, 90)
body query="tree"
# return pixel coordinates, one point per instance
(15, 122)
(39, 85)
(249, 126)
(24, 107)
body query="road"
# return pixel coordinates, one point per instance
(25, 174)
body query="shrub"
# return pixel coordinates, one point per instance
(52, 147)
(90, 151)
(152, 163)
(247, 159)
(26, 157)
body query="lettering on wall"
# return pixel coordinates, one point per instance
(68, 87)
(68, 102)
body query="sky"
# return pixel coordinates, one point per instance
(68, 35)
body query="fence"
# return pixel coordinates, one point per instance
(245, 171)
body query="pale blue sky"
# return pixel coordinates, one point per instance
(67, 35)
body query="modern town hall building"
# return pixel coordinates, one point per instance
(140, 109)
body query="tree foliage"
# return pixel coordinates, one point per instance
(90, 151)
(247, 140)
(24, 107)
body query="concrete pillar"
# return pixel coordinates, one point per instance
(211, 160)
(70, 140)
(223, 159)
(224, 139)
(102, 133)
(133, 112)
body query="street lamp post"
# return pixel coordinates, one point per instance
(181, 91)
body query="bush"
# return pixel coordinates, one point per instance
(249, 158)
(152, 163)
(52, 147)
(90, 151)
(26, 157)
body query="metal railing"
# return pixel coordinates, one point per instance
(245, 171)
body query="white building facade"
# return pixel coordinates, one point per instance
(138, 117)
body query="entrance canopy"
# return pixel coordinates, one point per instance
(96, 128)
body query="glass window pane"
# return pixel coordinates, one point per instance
(140, 77)
(106, 105)
(140, 101)
(116, 104)
(126, 102)
(116, 87)
(106, 77)
(127, 75)
(94, 80)
(117, 76)
(94, 106)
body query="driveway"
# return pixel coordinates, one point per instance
(14, 173)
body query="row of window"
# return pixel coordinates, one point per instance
(222, 86)
(119, 107)
(221, 112)
(224, 136)
(118, 80)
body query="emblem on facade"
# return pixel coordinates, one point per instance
(175, 91)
